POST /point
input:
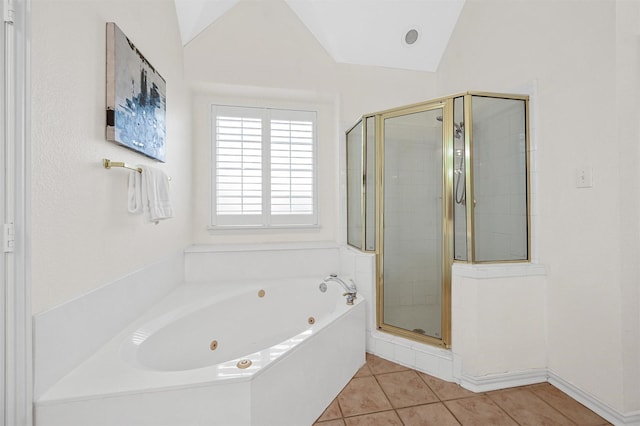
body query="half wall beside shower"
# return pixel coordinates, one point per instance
(431, 184)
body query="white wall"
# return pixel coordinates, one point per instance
(82, 235)
(261, 51)
(565, 51)
(264, 44)
(628, 208)
(498, 327)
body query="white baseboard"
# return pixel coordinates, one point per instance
(502, 381)
(508, 380)
(593, 403)
(434, 363)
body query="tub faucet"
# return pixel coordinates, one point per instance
(350, 290)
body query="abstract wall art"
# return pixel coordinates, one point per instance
(136, 98)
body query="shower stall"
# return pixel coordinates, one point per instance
(431, 184)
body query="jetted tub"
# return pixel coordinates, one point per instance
(251, 353)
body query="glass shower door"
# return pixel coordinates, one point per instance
(412, 221)
(355, 193)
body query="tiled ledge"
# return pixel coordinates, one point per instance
(498, 270)
(233, 262)
(429, 359)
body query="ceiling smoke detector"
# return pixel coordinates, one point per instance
(411, 36)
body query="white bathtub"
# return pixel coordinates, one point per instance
(250, 353)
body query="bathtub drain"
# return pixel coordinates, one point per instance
(213, 345)
(311, 320)
(261, 293)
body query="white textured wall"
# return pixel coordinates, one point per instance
(628, 207)
(261, 50)
(82, 235)
(498, 321)
(567, 51)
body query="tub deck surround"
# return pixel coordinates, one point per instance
(68, 334)
(265, 261)
(164, 361)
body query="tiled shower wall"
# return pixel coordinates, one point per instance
(499, 179)
(412, 243)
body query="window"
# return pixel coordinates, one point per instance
(263, 167)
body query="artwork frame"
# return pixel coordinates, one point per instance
(136, 102)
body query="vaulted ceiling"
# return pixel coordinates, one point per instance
(406, 34)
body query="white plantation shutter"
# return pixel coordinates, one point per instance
(292, 166)
(239, 165)
(263, 167)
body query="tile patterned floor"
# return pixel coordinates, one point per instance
(383, 393)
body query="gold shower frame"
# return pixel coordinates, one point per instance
(446, 104)
(468, 147)
(363, 179)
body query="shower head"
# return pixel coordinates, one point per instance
(458, 128)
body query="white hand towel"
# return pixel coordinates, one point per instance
(155, 193)
(134, 194)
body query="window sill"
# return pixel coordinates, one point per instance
(214, 229)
